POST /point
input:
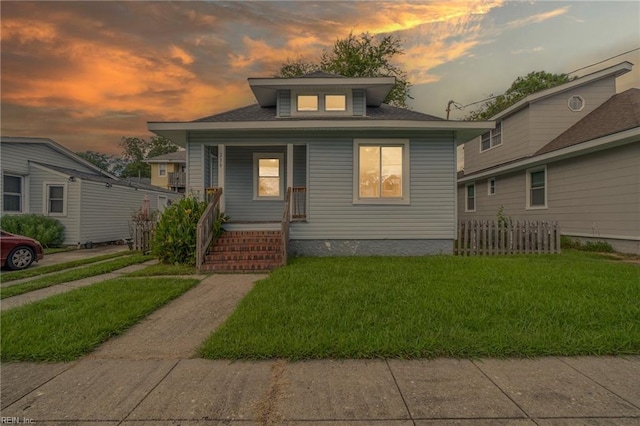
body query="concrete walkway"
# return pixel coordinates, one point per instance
(148, 376)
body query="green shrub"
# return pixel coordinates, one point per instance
(174, 241)
(47, 230)
(595, 246)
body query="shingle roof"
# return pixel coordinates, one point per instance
(621, 112)
(101, 178)
(173, 157)
(257, 113)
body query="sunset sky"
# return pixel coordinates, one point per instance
(87, 73)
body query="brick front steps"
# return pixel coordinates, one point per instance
(245, 251)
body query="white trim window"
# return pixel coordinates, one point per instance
(307, 103)
(268, 172)
(491, 186)
(163, 203)
(335, 102)
(381, 172)
(162, 169)
(537, 188)
(470, 198)
(56, 199)
(492, 138)
(12, 193)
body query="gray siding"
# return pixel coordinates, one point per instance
(592, 195)
(238, 190)
(359, 102)
(106, 212)
(284, 103)
(37, 180)
(300, 165)
(528, 130)
(333, 215)
(195, 169)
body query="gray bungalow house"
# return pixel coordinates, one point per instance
(368, 178)
(569, 154)
(40, 176)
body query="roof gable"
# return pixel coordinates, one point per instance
(621, 112)
(173, 157)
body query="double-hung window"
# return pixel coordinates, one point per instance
(162, 169)
(268, 171)
(55, 194)
(12, 193)
(492, 138)
(470, 199)
(537, 188)
(491, 186)
(381, 173)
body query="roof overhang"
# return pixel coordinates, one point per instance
(177, 132)
(594, 145)
(376, 88)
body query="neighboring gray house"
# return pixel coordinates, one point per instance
(40, 176)
(570, 153)
(372, 178)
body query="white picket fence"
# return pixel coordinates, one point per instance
(490, 237)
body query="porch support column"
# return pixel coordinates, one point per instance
(289, 165)
(222, 161)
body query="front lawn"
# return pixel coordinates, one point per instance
(64, 327)
(504, 306)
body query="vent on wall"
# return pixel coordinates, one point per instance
(576, 103)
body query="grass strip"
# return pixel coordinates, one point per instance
(575, 303)
(164, 270)
(66, 326)
(73, 275)
(41, 270)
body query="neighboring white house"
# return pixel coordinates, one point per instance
(570, 154)
(40, 176)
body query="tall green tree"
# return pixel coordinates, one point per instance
(136, 150)
(96, 158)
(522, 87)
(359, 56)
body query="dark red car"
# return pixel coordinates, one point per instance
(18, 252)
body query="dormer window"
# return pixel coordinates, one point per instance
(335, 103)
(307, 102)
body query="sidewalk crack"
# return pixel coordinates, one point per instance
(404, 401)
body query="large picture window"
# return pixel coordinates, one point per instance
(12, 193)
(382, 171)
(268, 173)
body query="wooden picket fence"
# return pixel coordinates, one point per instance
(143, 235)
(490, 237)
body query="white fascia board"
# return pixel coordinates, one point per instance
(294, 125)
(616, 70)
(609, 141)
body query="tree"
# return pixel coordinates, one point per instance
(359, 56)
(136, 150)
(522, 86)
(98, 159)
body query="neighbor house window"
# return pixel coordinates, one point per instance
(470, 203)
(162, 169)
(307, 102)
(335, 103)
(55, 199)
(268, 172)
(576, 103)
(382, 171)
(491, 186)
(163, 203)
(537, 188)
(12, 193)
(492, 138)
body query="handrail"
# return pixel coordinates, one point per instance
(204, 235)
(286, 218)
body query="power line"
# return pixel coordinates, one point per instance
(461, 107)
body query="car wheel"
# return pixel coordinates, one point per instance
(20, 257)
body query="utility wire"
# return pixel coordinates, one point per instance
(461, 107)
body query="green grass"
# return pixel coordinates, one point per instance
(164, 270)
(72, 275)
(41, 270)
(66, 326)
(505, 306)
